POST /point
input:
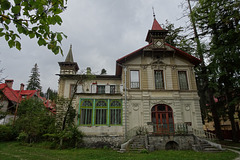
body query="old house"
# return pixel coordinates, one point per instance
(10, 98)
(154, 88)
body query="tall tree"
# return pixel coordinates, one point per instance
(221, 21)
(51, 94)
(34, 81)
(34, 19)
(177, 38)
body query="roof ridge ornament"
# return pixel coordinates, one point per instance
(154, 15)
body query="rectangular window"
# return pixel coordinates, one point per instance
(182, 77)
(86, 116)
(101, 89)
(135, 79)
(159, 83)
(101, 116)
(101, 112)
(86, 111)
(115, 112)
(116, 116)
(112, 89)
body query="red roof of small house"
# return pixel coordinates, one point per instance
(9, 92)
(18, 95)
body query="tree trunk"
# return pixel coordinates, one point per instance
(231, 112)
(215, 116)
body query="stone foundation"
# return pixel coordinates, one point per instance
(177, 142)
(103, 141)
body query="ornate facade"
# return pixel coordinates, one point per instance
(154, 87)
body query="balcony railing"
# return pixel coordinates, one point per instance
(101, 89)
(135, 85)
(171, 129)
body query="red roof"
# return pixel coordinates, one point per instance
(179, 52)
(8, 92)
(156, 25)
(17, 96)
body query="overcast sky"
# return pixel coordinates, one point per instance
(100, 31)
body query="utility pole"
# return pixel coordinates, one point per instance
(125, 98)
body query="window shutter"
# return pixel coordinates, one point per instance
(107, 88)
(79, 88)
(94, 88)
(121, 88)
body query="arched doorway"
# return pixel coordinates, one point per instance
(171, 145)
(162, 119)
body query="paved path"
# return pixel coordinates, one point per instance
(233, 149)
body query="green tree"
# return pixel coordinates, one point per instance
(34, 81)
(34, 19)
(220, 20)
(33, 121)
(51, 94)
(177, 38)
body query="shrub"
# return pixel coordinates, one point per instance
(33, 121)
(7, 133)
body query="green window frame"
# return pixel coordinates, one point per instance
(100, 112)
(86, 111)
(115, 112)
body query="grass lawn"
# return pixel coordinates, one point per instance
(14, 151)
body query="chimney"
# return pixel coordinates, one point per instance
(21, 87)
(9, 83)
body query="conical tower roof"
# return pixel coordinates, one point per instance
(69, 57)
(156, 25)
(68, 66)
(156, 32)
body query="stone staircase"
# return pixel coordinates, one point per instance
(208, 146)
(137, 143)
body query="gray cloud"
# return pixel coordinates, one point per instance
(101, 31)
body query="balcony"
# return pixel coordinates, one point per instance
(100, 89)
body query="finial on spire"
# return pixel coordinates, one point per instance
(154, 16)
(71, 46)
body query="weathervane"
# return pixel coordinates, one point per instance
(154, 16)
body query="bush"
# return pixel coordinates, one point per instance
(7, 133)
(69, 138)
(33, 121)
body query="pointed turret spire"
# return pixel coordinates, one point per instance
(69, 57)
(69, 66)
(157, 33)
(156, 25)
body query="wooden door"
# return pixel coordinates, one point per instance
(162, 118)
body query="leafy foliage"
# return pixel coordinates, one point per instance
(220, 20)
(33, 121)
(51, 94)
(34, 19)
(34, 81)
(7, 133)
(177, 38)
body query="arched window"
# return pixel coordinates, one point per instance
(162, 118)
